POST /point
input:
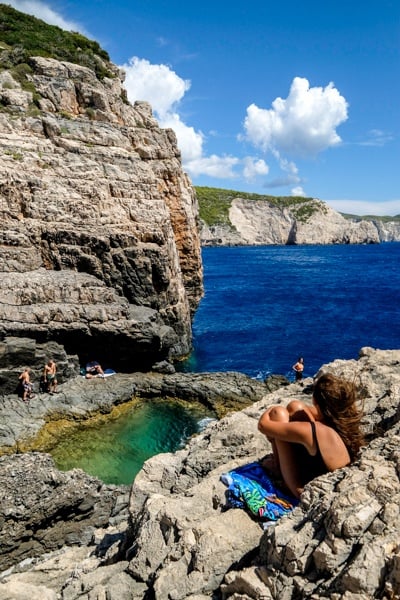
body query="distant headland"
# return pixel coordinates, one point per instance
(230, 218)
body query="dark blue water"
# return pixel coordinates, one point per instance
(266, 306)
(263, 307)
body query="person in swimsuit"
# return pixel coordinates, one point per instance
(308, 441)
(25, 386)
(49, 375)
(93, 369)
(298, 368)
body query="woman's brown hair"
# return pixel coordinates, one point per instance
(337, 400)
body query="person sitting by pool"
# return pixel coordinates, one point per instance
(308, 441)
(93, 369)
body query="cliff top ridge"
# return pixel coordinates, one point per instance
(23, 36)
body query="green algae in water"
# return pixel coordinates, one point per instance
(115, 451)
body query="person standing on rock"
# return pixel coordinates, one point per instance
(308, 441)
(25, 386)
(49, 376)
(298, 368)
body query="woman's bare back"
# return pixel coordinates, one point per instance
(331, 446)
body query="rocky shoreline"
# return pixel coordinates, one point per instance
(101, 253)
(66, 536)
(29, 426)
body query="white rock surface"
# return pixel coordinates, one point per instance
(259, 222)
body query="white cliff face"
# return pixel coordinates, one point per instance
(91, 185)
(255, 222)
(329, 227)
(389, 231)
(260, 222)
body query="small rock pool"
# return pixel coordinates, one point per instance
(115, 450)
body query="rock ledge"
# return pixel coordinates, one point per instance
(341, 542)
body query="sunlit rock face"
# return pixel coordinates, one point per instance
(253, 223)
(99, 242)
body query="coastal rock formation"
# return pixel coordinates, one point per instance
(99, 242)
(341, 542)
(24, 426)
(323, 548)
(388, 231)
(259, 222)
(18, 353)
(43, 509)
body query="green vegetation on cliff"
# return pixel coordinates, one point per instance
(214, 204)
(395, 219)
(23, 36)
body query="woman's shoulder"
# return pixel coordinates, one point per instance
(326, 431)
(331, 446)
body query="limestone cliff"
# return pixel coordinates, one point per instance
(99, 241)
(309, 221)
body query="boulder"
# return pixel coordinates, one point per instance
(18, 353)
(43, 509)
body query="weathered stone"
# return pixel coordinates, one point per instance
(23, 425)
(341, 542)
(18, 353)
(274, 382)
(99, 242)
(311, 550)
(43, 508)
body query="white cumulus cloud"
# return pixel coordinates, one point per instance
(364, 207)
(254, 167)
(221, 167)
(43, 11)
(298, 191)
(190, 141)
(302, 125)
(157, 84)
(164, 89)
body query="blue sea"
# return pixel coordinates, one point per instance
(263, 307)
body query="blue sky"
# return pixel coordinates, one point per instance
(288, 98)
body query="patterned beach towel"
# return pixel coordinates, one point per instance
(251, 488)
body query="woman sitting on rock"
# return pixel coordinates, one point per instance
(308, 441)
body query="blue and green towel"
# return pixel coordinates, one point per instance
(250, 487)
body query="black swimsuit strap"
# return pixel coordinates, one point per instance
(315, 439)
